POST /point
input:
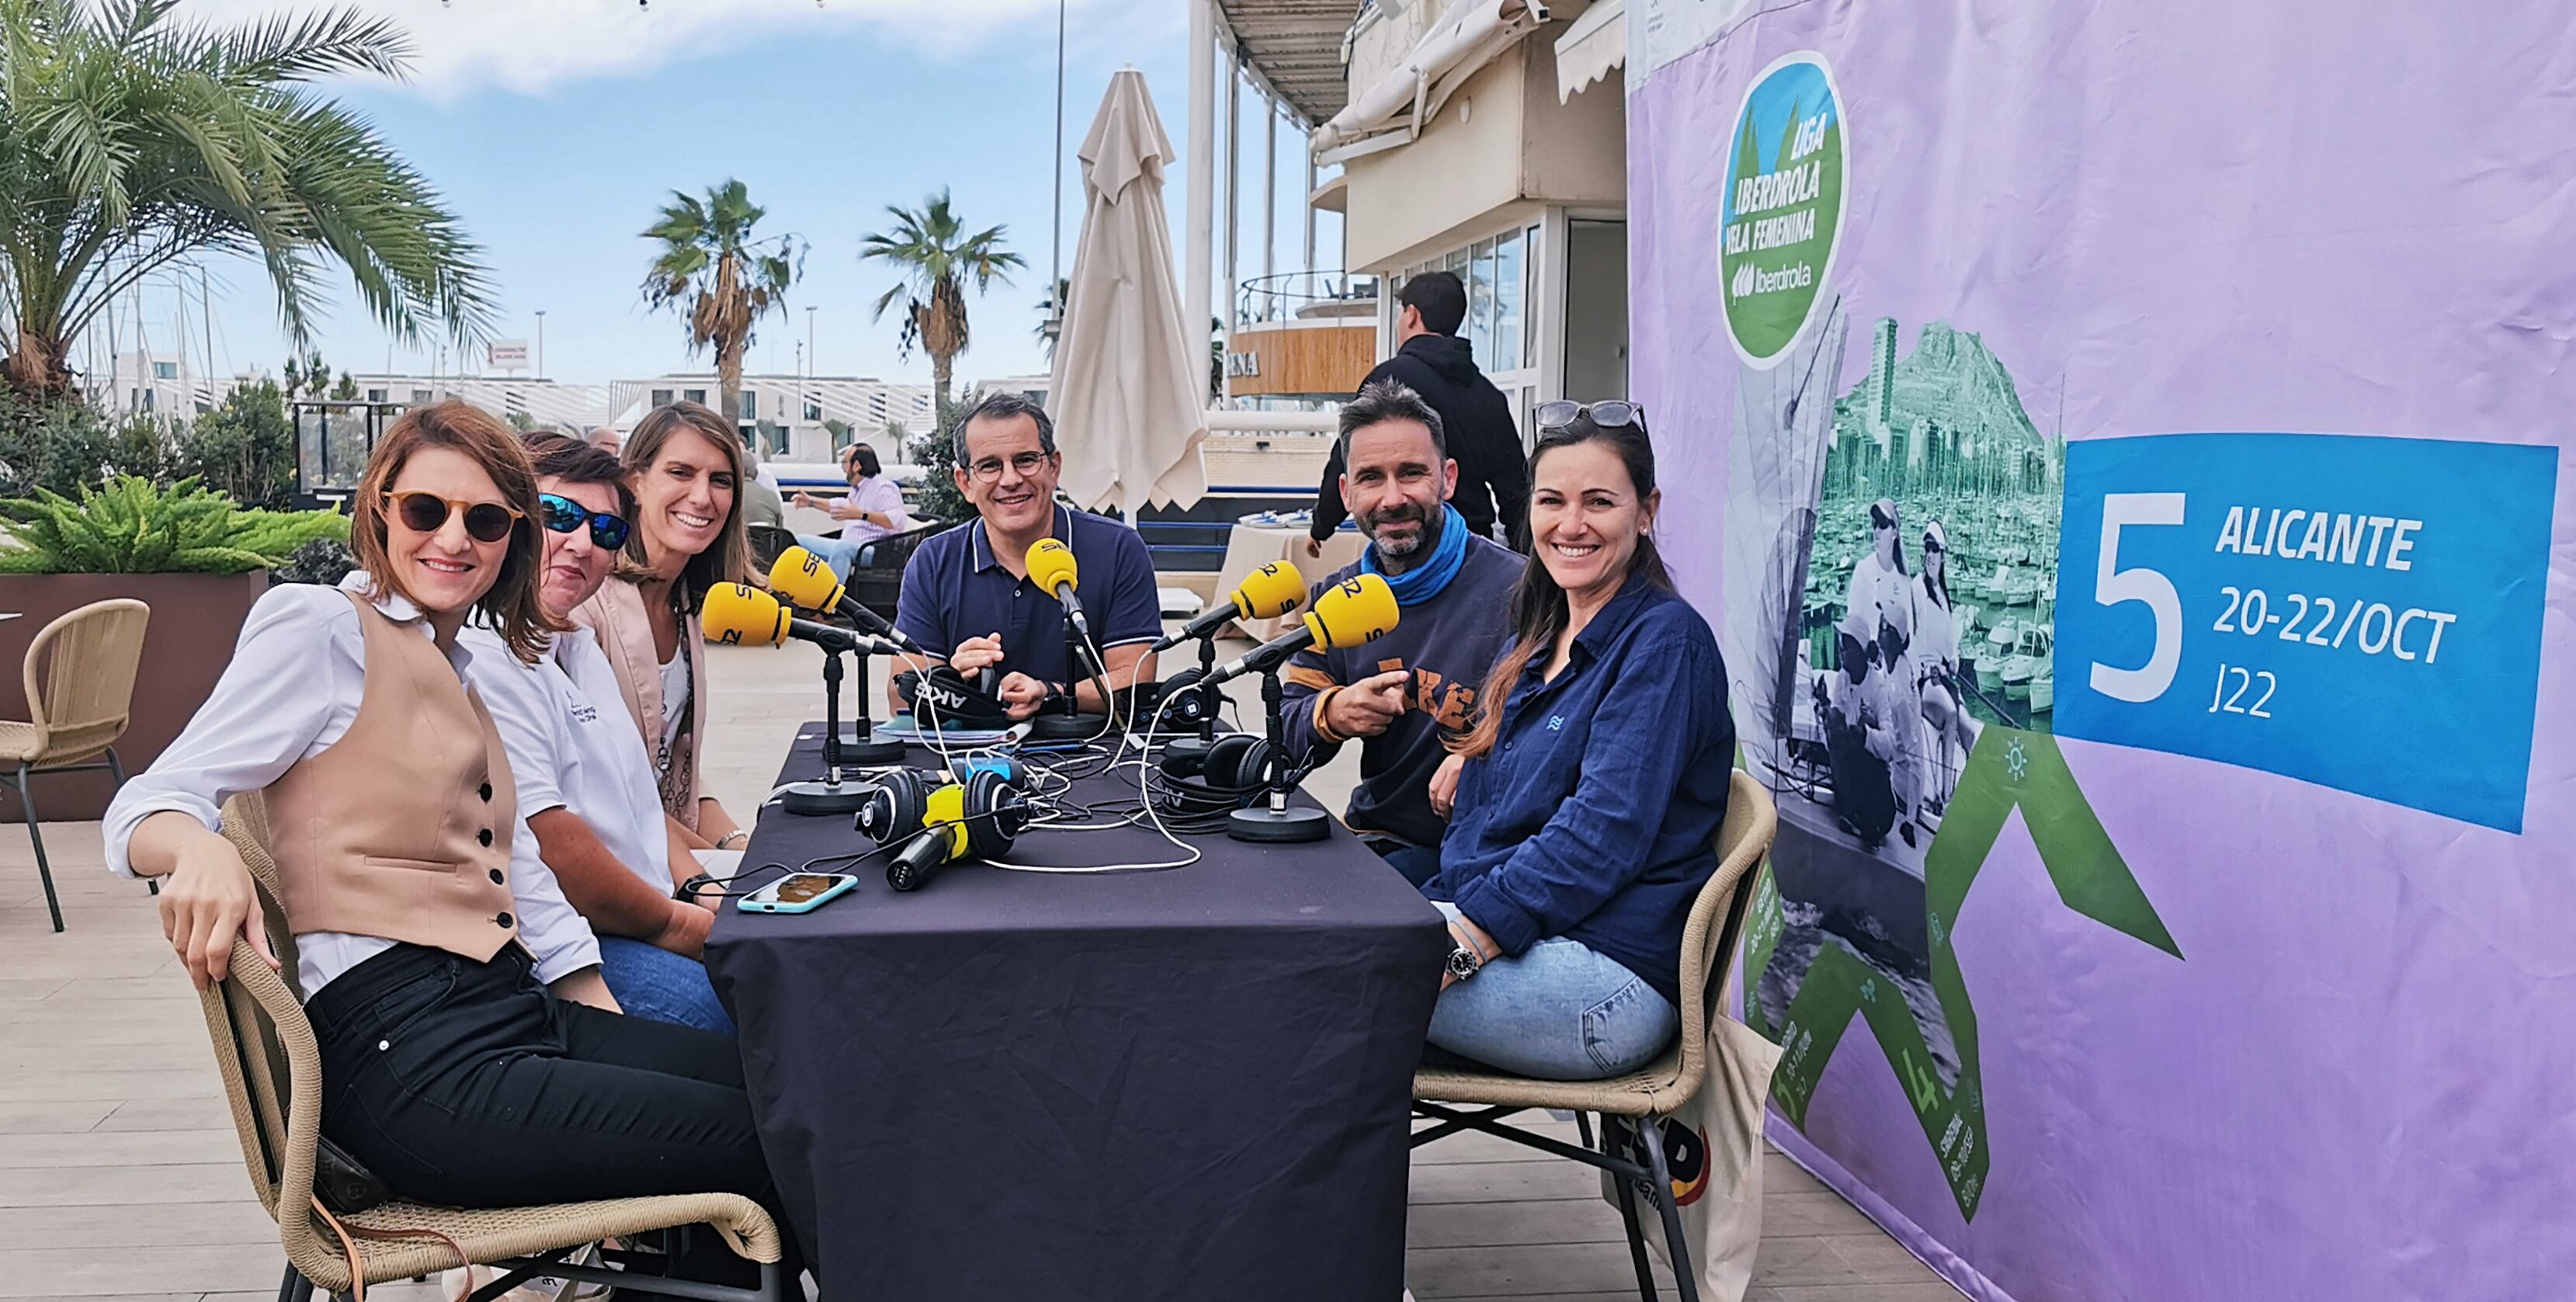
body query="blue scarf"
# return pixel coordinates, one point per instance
(1426, 580)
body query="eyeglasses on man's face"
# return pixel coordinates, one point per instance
(1022, 464)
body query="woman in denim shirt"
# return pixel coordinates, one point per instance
(1586, 801)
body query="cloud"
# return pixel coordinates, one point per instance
(532, 46)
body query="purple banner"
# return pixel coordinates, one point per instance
(2231, 342)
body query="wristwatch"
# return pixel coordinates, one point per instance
(1463, 961)
(692, 888)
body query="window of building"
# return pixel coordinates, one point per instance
(1511, 295)
(750, 405)
(813, 407)
(698, 396)
(661, 397)
(419, 396)
(165, 370)
(375, 395)
(145, 399)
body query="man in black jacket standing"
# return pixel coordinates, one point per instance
(1431, 360)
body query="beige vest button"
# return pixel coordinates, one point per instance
(498, 879)
(484, 836)
(504, 920)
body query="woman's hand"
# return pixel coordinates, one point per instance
(586, 986)
(1464, 932)
(208, 899)
(1444, 784)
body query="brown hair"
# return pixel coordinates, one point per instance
(510, 605)
(561, 456)
(1539, 610)
(729, 559)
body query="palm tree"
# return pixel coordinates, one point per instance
(937, 258)
(727, 279)
(1050, 324)
(129, 142)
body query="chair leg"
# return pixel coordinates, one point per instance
(27, 805)
(1628, 1212)
(1650, 1132)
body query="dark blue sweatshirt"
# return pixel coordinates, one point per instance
(1594, 816)
(1447, 644)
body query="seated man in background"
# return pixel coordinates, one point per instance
(585, 787)
(872, 509)
(967, 596)
(1400, 694)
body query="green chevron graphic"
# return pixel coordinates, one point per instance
(2008, 770)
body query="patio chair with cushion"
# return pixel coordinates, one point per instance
(271, 1068)
(80, 692)
(1632, 1103)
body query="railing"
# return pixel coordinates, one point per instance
(1304, 294)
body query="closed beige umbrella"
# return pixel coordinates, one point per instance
(1128, 394)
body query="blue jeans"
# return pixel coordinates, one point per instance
(654, 983)
(839, 553)
(1560, 1011)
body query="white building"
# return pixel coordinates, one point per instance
(1484, 137)
(569, 407)
(791, 413)
(160, 384)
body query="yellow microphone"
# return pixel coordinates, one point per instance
(738, 614)
(1358, 609)
(806, 579)
(1266, 593)
(1051, 567)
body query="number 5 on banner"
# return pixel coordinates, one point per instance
(2113, 586)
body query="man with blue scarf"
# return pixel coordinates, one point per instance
(1398, 696)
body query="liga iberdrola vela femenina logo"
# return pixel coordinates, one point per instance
(1784, 205)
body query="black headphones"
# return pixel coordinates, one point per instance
(992, 811)
(1239, 761)
(940, 695)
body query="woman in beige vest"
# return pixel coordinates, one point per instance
(688, 474)
(427, 931)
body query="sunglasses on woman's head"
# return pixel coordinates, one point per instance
(563, 515)
(1610, 414)
(427, 512)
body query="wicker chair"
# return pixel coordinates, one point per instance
(271, 1067)
(80, 693)
(1630, 1105)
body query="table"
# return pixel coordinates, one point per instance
(1252, 546)
(1187, 1084)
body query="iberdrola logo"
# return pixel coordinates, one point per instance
(2008, 770)
(1784, 205)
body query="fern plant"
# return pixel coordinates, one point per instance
(133, 526)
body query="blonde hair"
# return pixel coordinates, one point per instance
(510, 605)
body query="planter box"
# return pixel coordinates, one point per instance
(195, 620)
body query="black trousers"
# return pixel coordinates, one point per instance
(465, 1084)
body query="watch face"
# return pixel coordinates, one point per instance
(1462, 964)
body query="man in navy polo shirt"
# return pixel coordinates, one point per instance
(966, 591)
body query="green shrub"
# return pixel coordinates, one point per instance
(244, 447)
(66, 446)
(133, 526)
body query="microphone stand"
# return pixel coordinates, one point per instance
(833, 795)
(1274, 820)
(1189, 754)
(1067, 722)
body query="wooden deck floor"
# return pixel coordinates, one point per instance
(120, 1178)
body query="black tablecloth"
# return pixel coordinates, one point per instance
(1189, 1084)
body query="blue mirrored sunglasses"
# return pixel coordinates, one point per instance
(563, 515)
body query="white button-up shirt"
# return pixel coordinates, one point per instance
(292, 689)
(572, 745)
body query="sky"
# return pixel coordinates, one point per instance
(555, 129)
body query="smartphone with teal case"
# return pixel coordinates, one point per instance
(798, 893)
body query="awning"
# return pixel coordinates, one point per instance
(1596, 43)
(1467, 36)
